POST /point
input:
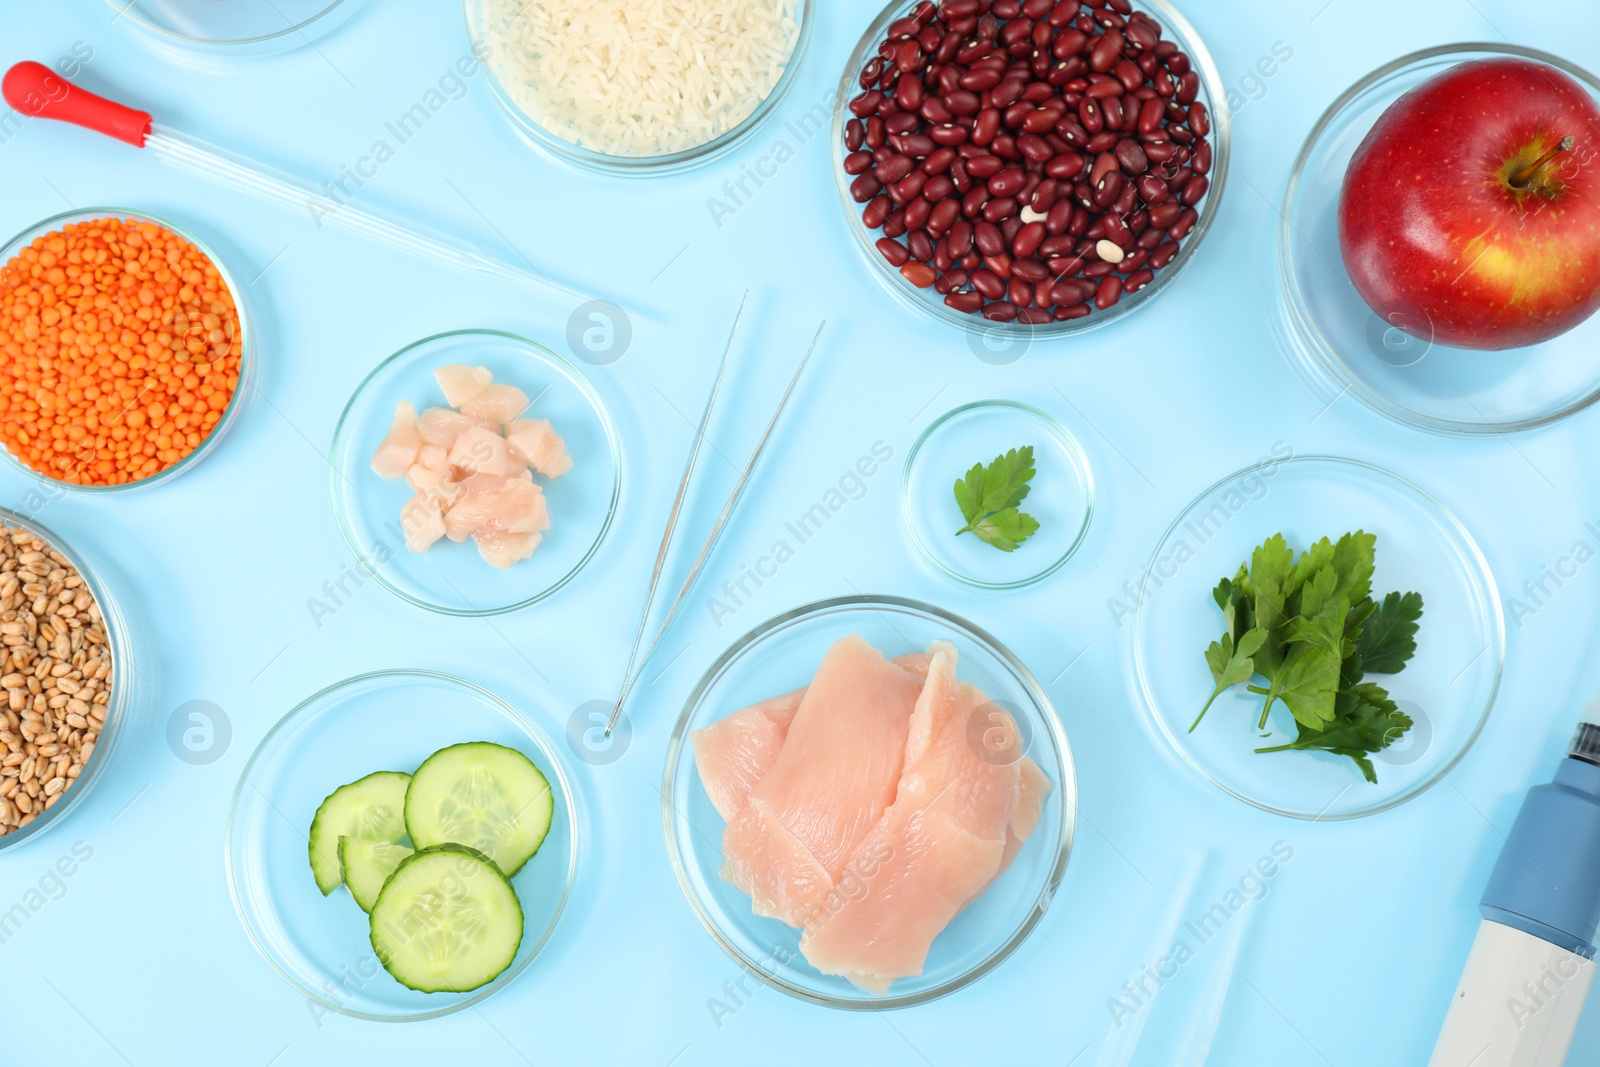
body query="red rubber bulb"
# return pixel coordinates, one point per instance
(34, 89)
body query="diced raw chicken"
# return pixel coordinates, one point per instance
(537, 444)
(736, 752)
(498, 404)
(435, 456)
(502, 550)
(441, 426)
(935, 848)
(422, 521)
(462, 383)
(399, 449)
(481, 451)
(492, 506)
(836, 774)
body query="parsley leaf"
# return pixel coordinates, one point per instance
(1230, 664)
(1390, 639)
(989, 497)
(1310, 628)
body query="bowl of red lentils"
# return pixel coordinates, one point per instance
(64, 679)
(125, 350)
(1030, 167)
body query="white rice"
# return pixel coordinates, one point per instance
(639, 77)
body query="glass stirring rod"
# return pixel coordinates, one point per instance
(36, 90)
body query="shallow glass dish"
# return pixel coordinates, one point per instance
(1447, 689)
(388, 720)
(781, 655)
(237, 27)
(123, 671)
(553, 144)
(452, 578)
(1062, 499)
(242, 395)
(1340, 345)
(1213, 93)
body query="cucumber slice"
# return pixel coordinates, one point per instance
(367, 865)
(446, 921)
(372, 809)
(482, 795)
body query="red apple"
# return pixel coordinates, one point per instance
(1470, 215)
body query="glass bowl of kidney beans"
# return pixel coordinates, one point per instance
(1032, 166)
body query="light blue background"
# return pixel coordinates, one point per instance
(1349, 960)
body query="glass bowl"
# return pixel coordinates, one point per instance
(387, 720)
(237, 27)
(119, 706)
(782, 654)
(1063, 500)
(554, 145)
(1341, 345)
(1448, 688)
(452, 578)
(242, 394)
(1213, 93)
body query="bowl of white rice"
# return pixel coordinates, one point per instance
(639, 85)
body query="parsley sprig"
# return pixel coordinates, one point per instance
(1311, 629)
(989, 497)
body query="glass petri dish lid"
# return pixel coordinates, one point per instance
(1212, 93)
(508, 32)
(118, 706)
(387, 720)
(1061, 496)
(237, 27)
(453, 578)
(782, 654)
(1340, 345)
(243, 391)
(1448, 688)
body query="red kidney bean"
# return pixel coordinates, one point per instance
(1001, 311)
(1104, 141)
(1105, 52)
(920, 245)
(938, 188)
(1066, 166)
(1185, 224)
(972, 204)
(1033, 316)
(985, 167)
(1028, 240)
(919, 274)
(942, 259)
(918, 145)
(1165, 216)
(1090, 115)
(986, 126)
(950, 281)
(1159, 151)
(1152, 190)
(980, 80)
(969, 302)
(895, 225)
(865, 187)
(987, 236)
(909, 187)
(1109, 293)
(894, 168)
(855, 135)
(938, 161)
(1008, 182)
(1030, 269)
(989, 284)
(1149, 238)
(858, 163)
(918, 212)
(1138, 280)
(866, 104)
(1202, 158)
(962, 102)
(1000, 265)
(895, 252)
(1000, 210)
(1194, 191)
(1067, 314)
(876, 135)
(873, 215)
(960, 238)
(948, 135)
(1019, 292)
(908, 92)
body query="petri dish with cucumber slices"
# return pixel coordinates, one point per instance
(408, 828)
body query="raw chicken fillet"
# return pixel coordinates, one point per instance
(862, 811)
(472, 469)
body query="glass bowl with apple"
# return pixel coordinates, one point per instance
(1439, 249)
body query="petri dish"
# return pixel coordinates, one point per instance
(781, 655)
(1340, 345)
(1213, 93)
(1061, 498)
(237, 27)
(119, 704)
(453, 578)
(1448, 688)
(490, 26)
(387, 720)
(243, 392)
